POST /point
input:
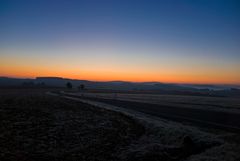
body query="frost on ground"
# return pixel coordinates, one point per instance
(166, 140)
(36, 127)
(225, 104)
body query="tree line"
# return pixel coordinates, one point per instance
(70, 86)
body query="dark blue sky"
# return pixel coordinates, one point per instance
(208, 27)
(200, 23)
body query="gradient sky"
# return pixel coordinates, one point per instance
(181, 41)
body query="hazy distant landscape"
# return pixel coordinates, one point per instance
(126, 87)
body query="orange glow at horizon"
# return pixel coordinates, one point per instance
(180, 42)
(133, 76)
(128, 68)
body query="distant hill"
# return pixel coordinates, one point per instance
(154, 87)
(58, 81)
(5, 81)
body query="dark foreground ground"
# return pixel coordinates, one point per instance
(35, 126)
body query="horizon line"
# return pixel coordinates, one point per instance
(223, 84)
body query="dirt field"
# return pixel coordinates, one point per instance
(35, 126)
(202, 102)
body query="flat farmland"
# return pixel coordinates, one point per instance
(227, 104)
(36, 126)
(207, 112)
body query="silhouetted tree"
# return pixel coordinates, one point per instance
(81, 87)
(69, 85)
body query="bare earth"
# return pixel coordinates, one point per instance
(36, 126)
(226, 104)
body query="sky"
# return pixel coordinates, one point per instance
(173, 41)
